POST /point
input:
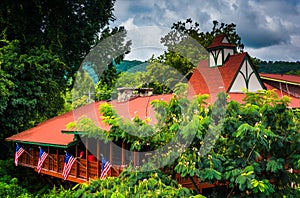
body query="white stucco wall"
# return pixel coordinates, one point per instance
(239, 82)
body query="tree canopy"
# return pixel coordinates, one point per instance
(32, 86)
(279, 67)
(186, 47)
(245, 149)
(186, 43)
(42, 46)
(67, 28)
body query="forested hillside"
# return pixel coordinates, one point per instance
(279, 67)
(131, 66)
(273, 67)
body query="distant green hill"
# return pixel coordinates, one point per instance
(273, 67)
(279, 67)
(131, 66)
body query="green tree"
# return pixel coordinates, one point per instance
(245, 149)
(43, 44)
(279, 67)
(134, 184)
(111, 50)
(257, 142)
(32, 85)
(84, 92)
(13, 189)
(186, 44)
(128, 79)
(162, 78)
(188, 28)
(67, 28)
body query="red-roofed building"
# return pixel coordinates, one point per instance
(288, 84)
(225, 70)
(54, 136)
(233, 72)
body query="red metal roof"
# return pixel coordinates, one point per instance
(217, 42)
(206, 80)
(237, 97)
(295, 102)
(50, 131)
(140, 107)
(282, 77)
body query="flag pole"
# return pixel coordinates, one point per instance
(50, 156)
(28, 153)
(80, 163)
(110, 162)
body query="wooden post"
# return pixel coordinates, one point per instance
(76, 164)
(110, 156)
(31, 158)
(86, 157)
(49, 159)
(123, 154)
(57, 162)
(98, 158)
(134, 158)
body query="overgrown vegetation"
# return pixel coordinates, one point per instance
(246, 148)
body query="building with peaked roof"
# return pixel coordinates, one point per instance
(225, 70)
(231, 72)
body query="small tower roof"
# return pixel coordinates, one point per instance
(221, 40)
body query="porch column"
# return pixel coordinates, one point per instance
(49, 161)
(76, 164)
(123, 154)
(98, 158)
(110, 156)
(134, 158)
(86, 157)
(57, 161)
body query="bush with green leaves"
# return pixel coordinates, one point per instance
(133, 184)
(13, 190)
(245, 149)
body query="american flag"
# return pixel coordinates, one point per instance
(19, 152)
(69, 161)
(42, 156)
(105, 168)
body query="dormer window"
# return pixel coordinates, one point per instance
(220, 50)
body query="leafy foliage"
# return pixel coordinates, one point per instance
(247, 147)
(187, 44)
(42, 45)
(134, 184)
(279, 67)
(33, 85)
(23, 180)
(12, 189)
(67, 28)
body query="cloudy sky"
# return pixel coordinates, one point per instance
(270, 29)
